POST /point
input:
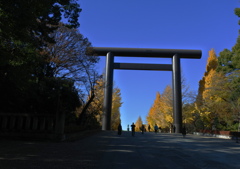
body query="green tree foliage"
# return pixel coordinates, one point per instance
(26, 80)
(228, 60)
(32, 21)
(29, 24)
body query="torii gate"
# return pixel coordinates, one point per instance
(175, 54)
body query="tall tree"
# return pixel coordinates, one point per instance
(161, 113)
(116, 104)
(217, 102)
(203, 102)
(228, 60)
(67, 59)
(32, 20)
(167, 106)
(138, 124)
(227, 86)
(211, 67)
(29, 25)
(152, 117)
(96, 106)
(220, 101)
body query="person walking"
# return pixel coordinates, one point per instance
(149, 128)
(156, 128)
(174, 129)
(184, 132)
(119, 129)
(143, 128)
(133, 129)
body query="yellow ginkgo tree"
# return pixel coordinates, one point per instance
(97, 104)
(161, 112)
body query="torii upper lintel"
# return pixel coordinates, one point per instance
(147, 52)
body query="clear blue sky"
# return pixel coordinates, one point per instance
(164, 24)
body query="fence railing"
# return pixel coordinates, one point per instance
(32, 124)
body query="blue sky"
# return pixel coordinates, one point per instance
(163, 24)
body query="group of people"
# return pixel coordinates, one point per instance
(132, 129)
(142, 128)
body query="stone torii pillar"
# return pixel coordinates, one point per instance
(177, 93)
(108, 88)
(175, 67)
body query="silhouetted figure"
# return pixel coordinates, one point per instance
(119, 129)
(128, 127)
(133, 129)
(184, 132)
(143, 129)
(174, 129)
(156, 128)
(149, 128)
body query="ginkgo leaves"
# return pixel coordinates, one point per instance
(161, 112)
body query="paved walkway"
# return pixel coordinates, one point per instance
(106, 150)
